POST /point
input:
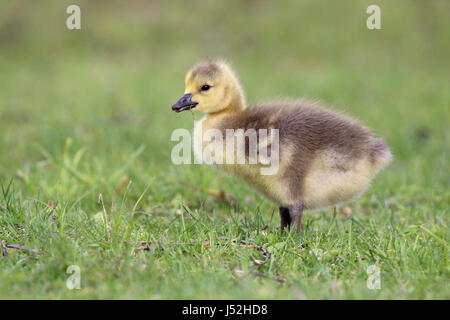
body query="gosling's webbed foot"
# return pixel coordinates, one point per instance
(285, 218)
(289, 216)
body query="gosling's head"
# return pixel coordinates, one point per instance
(211, 87)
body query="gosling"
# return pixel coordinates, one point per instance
(325, 158)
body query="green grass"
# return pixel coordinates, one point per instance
(87, 112)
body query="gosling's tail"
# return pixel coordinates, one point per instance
(380, 154)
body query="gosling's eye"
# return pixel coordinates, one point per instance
(205, 87)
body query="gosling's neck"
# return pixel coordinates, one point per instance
(234, 107)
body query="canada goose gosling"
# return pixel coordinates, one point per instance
(324, 157)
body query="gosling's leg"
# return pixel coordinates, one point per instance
(296, 212)
(285, 218)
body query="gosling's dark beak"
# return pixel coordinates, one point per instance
(184, 103)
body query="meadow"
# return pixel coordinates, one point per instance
(86, 174)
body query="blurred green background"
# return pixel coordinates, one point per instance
(84, 112)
